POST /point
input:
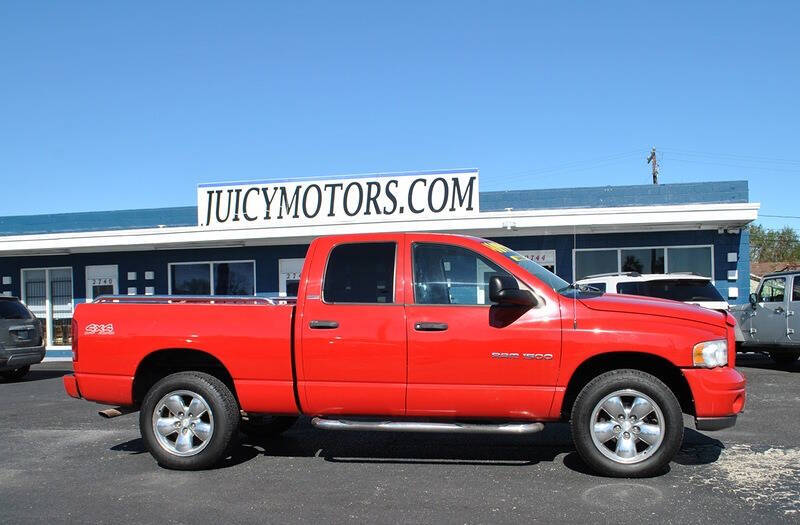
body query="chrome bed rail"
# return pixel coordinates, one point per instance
(196, 299)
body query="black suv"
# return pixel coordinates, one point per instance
(21, 343)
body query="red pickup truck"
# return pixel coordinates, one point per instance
(413, 332)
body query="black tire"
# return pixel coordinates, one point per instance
(625, 379)
(16, 374)
(263, 426)
(222, 407)
(784, 358)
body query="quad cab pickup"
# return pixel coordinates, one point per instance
(412, 332)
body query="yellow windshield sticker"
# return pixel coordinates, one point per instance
(499, 248)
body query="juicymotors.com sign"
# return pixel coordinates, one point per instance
(370, 198)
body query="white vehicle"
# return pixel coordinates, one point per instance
(685, 287)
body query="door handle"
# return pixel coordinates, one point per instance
(323, 325)
(779, 310)
(430, 327)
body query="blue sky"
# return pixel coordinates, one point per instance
(110, 105)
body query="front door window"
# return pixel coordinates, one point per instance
(773, 290)
(445, 274)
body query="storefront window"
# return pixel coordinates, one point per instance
(224, 277)
(47, 292)
(694, 260)
(691, 259)
(190, 279)
(233, 278)
(643, 260)
(593, 262)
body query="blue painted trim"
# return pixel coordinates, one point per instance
(58, 353)
(338, 177)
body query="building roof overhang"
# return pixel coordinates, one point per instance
(486, 224)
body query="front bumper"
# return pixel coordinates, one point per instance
(719, 394)
(13, 358)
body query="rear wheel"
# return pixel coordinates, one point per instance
(784, 358)
(263, 426)
(627, 423)
(189, 420)
(17, 373)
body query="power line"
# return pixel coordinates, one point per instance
(782, 169)
(733, 156)
(779, 216)
(585, 163)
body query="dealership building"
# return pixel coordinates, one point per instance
(250, 238)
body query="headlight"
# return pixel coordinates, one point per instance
(710, 353)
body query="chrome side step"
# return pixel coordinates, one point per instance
(427, 426)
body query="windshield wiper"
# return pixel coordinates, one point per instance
(585, 288)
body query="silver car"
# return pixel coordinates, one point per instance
(770, 322)
(21, 339)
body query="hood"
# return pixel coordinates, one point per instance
(635, 304)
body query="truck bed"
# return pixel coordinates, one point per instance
(250, 337)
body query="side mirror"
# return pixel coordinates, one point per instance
(504, 289)
(753, 300)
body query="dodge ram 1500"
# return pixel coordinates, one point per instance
(412, 332)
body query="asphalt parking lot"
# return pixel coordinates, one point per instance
(61, 462)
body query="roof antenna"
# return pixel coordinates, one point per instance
(574, 280)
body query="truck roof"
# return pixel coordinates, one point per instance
(777, 274)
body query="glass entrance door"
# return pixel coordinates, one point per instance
(47, 292)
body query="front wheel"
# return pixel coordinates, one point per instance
(784, 358)
(17, 373)
(189, 420)
(627, 424)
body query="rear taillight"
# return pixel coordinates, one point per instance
(74, 341)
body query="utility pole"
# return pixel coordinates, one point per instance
(652, 159)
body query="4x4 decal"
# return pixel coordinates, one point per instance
(99, 329)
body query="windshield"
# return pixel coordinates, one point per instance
(686, 290)
(552, 280)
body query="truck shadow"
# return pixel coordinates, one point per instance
(447, 449)
(409, 447)
(37, 374)
(433, 449)
(764, 362)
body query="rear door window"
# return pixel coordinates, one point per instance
(13, 310)
(360, 273)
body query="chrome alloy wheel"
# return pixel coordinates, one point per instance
(183, 423)
(627, 426)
